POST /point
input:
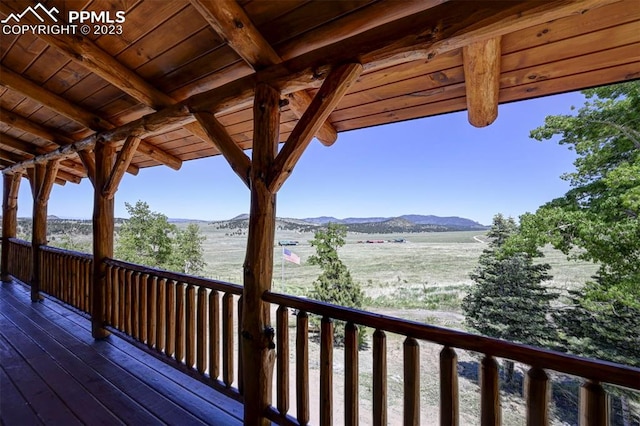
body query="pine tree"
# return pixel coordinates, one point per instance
(508, 300)
(334, 284)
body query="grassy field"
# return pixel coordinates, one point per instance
(428, 271)
(423, 279)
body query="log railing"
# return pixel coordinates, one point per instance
(192, 321)
(66, 275)
(20, 259)
(594, 373)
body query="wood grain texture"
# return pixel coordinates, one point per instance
(482, 80)
(333, 89)
(351, 375)
(379, 378)
(489, 392)
(449, 401)
(594, 407)
(122, 162)
(282, 351)
(10, 187)
(411, 364)
(597, 370)
(257, 343)
(326, 371)
(103, 226)
(231, 22)
(537, 394)
(237, 159)
(214, 334)
(302, 368)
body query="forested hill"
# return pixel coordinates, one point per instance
(375, 225)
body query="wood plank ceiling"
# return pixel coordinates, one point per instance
(421, 58)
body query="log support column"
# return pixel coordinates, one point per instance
(103, 211)
(11, 184)
(258, 350)
(41, 177)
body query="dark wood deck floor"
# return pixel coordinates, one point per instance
(53, 372)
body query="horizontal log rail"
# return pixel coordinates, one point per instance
(594, 372)
(20, 259)
(66, 275)
(194, 322)
(190, 320)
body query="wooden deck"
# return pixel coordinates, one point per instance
(53, 372)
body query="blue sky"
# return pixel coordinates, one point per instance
(438, 165)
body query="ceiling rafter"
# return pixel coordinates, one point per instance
(331, 92)
(231, 23)
(54, 136)
(481, 62)
(34, 150)
(18, 158)
(86, 53)
(150, 125)
(404, 41)
(235, 156)
(88, 119)
(123, 159)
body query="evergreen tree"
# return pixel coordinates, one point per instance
(335, 284)
(508, 300)
(597, 220)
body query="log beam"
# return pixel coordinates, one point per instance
(13, 158)
(51, 135)
(231, 23)
(73, 112)
(377, 48)
(481, 62)
(123, 160)
(147, 126)
(89, 55)
(42, 179)
(235, 156)
(333, 89)
(11, 185)
(258, 355)
(103, 212)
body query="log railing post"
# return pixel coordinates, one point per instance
(411, 382)
(448, 387)
(11, 184)
(326, 371)
(257, 345)
(593, 405)
(103, 211)
(302, 368)
(282, 327)
(489, 392)
(537, 397)
(379, 378)
(351, 375)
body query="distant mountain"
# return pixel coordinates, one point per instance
(446, 221)
(178, 220)
(430, 222)
(323, 220)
